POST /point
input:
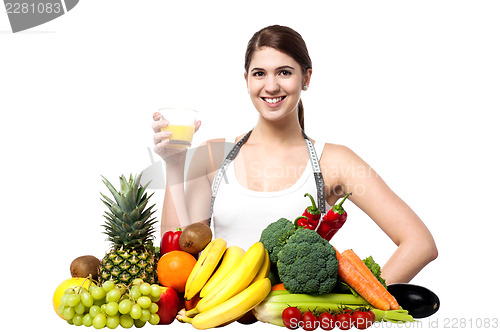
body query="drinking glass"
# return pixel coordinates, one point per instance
(181, 126)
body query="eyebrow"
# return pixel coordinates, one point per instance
(279, 68)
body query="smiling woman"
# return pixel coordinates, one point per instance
(258, 186)
(278, 42)
(275, 88)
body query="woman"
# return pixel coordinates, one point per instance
(273, 167)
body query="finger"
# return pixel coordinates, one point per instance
(159, 148)
(160, 136)
(158, 125)
(157, 116)
(197, 125)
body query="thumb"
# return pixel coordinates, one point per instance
(197, 125)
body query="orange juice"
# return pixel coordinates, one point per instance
(181, 135)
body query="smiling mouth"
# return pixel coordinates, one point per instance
(274, 100)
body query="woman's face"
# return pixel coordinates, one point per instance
(274, 82)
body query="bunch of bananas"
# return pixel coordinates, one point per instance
(228, 290)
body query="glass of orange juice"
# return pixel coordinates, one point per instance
(181, 126)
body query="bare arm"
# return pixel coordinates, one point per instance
(416, 247)
(187, 200)
(174, 211)
(177, 204)
(205, 164)
(198, 187)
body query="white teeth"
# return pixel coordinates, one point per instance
(273, 100)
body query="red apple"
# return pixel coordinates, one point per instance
(168, 305)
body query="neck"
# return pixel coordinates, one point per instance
(277, 132)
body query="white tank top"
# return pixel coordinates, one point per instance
(240, 214)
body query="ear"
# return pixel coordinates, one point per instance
(245, 75)
(307, 77)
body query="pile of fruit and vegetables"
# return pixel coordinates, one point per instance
(293, 277)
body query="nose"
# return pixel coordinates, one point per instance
(272, 85)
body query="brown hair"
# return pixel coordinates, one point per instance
(286, 40)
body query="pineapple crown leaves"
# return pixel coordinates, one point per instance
(128, 223)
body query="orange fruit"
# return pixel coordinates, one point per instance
(174, 268)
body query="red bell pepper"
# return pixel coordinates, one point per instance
(170, 241)
(313, 215)
(333, 220)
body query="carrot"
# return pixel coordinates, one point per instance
(353, 278)
(359, 265)
(278, 287)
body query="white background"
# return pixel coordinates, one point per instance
(411, 86)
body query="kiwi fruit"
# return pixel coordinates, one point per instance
(83, 266)
(195, 237)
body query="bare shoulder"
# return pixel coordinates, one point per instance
(208, 156)
(339, 154)
(342, 168)
(199, 156)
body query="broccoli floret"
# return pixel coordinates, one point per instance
(275, 235)
(308, 263)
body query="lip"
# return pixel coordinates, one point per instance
(273, 105)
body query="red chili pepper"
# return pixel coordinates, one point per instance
(170, 241)
(313, 215)
(302, 222)
(333, 220)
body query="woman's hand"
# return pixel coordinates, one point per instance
(161, 138)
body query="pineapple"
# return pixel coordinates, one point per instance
(129, 227)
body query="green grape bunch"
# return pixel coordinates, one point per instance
(111, 304)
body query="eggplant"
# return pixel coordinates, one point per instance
(419, 301)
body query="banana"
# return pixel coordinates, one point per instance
(235, 282)
(204, 267)
(234, 307)
(264, 269)
(231, 257)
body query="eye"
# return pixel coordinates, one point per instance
(285, 72)
(258, 73)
